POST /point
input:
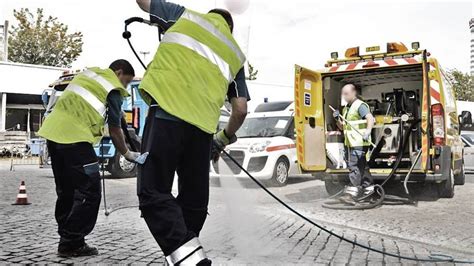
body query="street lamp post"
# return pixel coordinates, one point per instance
(471, 26)
(144, 53)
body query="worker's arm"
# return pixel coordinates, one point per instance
(339, 124)
(238, 96)
(118, 138)
(336, 114)
(161, 12)
(370, 122)
(237, 117)
(114, 116)
(364, 112)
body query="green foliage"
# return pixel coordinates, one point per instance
(252, 72)
(43, 41)
(463, 84)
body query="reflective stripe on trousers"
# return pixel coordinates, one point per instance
(88, 97)
(189, 253)
(201, 49)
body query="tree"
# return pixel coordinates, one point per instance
(44, 41)
(463, 84)
(252, 72)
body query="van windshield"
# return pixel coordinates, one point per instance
(469, 138)
(263, 127)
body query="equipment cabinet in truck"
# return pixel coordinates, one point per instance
(417, 127)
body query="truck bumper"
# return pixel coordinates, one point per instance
(416, 177)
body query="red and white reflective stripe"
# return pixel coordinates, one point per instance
(281, 147)
(22, 196)
(435, 90)
(382, 63)
(22, 187)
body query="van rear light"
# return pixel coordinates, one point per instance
(437, 113)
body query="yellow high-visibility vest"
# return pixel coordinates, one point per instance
(189, 76)
(351, 137)
(79, 114)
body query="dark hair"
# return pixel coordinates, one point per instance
(124, 65)
(226, 15)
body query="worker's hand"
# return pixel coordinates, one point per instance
(366, 136)
(135, 157)
(336, 114)
(219, 142)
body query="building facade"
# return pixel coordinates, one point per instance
(21, 106)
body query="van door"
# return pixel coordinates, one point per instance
(309, 120)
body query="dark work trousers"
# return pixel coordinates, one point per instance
(359, 173)
(181, 147)
(77, 178)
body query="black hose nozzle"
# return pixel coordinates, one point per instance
(133, 19)
(126, 34)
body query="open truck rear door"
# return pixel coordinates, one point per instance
(309, 120)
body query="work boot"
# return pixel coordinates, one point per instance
(350, 194)
(367, 191)
(347, 199)
(84, 250)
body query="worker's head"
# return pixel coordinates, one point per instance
(349, 93)
(124, 71)
(226, 15)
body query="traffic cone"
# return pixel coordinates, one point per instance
(22, 198)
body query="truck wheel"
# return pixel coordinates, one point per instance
(119, 167)
(446, 188)
(460, 179)
(280, 172)
(333, 188)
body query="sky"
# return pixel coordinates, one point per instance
(276, 34)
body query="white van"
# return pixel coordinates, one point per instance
(265, 145)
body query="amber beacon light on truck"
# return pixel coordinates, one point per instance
(371, 53)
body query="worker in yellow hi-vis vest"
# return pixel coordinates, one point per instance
(357, 126)
(197, 64)
(94, 97)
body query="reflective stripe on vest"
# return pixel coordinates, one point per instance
(201, 49)
(211, 29)
(351, 114)
(101, 80)
(88, 97)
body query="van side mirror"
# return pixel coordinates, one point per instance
(45, 97)
(465, 119)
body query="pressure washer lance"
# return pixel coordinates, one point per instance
(348, 123)
(140, 160)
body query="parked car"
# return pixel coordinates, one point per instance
(468, 140)
(265, 145)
